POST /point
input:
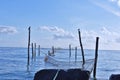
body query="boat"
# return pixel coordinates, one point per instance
(65, 70)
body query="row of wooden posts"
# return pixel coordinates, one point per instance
(70, 49)
(33, 49)
(82, 51)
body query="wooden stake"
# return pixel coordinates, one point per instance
(81, 47)
(35, 50)
(38, 50)
(69, 50)
(75, 54)
(53, 50)
(28, 62)
(96, 57)
(32, 51)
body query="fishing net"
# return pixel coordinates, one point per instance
(70, 64)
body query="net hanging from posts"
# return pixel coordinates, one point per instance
(70, 65)
(60, 64)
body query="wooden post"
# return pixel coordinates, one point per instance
(81, 47)
(96, 57)
(38, 50)
(32, 51)
(28, 61)
(75, 54)
(69, 52)
(53, 50)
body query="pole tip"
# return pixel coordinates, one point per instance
(97, 37)
(29, 27)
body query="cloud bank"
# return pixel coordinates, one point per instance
(7, 30)
(58, 33)
(109, 38)
(106, 35)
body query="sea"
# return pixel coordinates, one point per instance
(13, 62)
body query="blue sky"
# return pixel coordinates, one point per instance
(55, 23)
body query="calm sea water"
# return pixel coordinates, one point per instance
(13, 62)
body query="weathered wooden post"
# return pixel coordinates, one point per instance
(75, 54)
(83, 58)
(28, 61)
(35, 51)
(69, 52)
(53, 50)
(38, 50)
(96, 57)
(32, 51)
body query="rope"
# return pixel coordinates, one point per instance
(43, 52)
(56, 74)
(90, 63)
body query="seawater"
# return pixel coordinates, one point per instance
(13, 62)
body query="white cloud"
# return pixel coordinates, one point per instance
(112, 0)
(7, 29)
(105, 31)
(58, 33)
(107, 35)
(116, 1)
(108, 38)
(64, 36)
(52, 29)
(110, 8)
(119, 3)
(88, 35)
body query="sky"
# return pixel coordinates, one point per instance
(56, 23)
